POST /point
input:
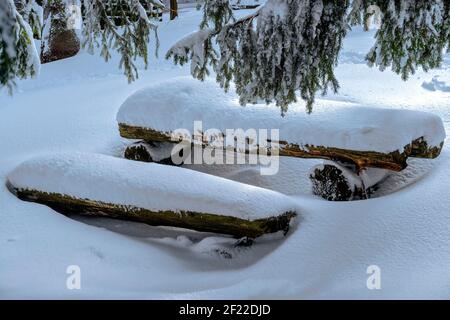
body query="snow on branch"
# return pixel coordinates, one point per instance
(23, 20)
(412, 34)
(18, 54)
(283, 47)
(197, 48)
(290, 48)
(130, 40)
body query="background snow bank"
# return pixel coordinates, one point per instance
(147, 185)
(73, 107)
(438, 84)
(178, 103)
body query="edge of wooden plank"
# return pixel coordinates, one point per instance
(395, 161)
(204, 222)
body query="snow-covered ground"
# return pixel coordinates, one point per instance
(72, 106)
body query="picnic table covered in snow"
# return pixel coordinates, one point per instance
(370, 137)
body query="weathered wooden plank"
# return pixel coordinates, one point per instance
(395, 161)
(205, 222)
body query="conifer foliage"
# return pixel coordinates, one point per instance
(18, 55)
(284, 49)
(130, 38)
(292, 46)
(413, 33)
(21, 21)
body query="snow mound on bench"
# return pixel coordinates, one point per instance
(177, 103)
(146, 185)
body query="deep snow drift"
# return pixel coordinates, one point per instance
(179, 102)
(150, 186)
(72, 107)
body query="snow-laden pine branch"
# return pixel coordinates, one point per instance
(21, 21)
(291, 47)
(18, 54)
(284, 46)
(130, 40)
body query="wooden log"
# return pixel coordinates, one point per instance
(173, 9)
(62, 41)
(329, 180)
(335, 182)
(138, 152)
(149, 152)
(419, 149)
(395, 161)
(205, 222)
(147, 134)
(329, 183)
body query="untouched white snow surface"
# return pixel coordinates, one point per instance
(176, 104)
(72, 107)
(147, 185)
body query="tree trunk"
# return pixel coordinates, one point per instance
(62, 42)
(204, 222)
(142, 151)
(173, 9)
(335, 182)
(394, 161)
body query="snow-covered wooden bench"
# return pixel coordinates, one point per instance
(99, 185)
(244, 4)
(364, 143)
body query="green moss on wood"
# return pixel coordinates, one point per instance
(147, 134)
(204, 222)
(395, 161)
(420, 149)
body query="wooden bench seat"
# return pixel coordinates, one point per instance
(355, 137)
(365, 137)
(99, 185)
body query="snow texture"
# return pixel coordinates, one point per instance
(436, 85)
(7, 22)
(72, 107)
(178, 103)
(150, 186)
(192, 42)
(13, 27)
(32, 61)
